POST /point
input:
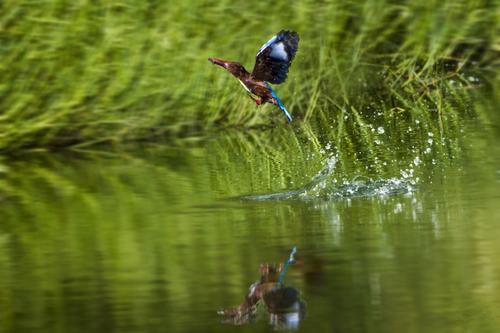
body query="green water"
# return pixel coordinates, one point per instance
(403, 237)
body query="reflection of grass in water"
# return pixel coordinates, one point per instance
(110, 72)
(116, 234)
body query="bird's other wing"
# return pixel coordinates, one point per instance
(275, 56)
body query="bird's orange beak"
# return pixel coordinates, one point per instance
(218, 61)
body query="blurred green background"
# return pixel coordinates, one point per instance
(87, 72)
(153, 236)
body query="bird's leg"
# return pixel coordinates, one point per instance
(257, 101)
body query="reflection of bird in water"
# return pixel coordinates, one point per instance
(284, 304)
(282, 299)
(271, 66)
(269, 275)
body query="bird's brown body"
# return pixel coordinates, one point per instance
(271, 66)
(254, 87)
(257, 88)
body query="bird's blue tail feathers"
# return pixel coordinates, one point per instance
(280, 104)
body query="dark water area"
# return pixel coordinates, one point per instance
(155, 238)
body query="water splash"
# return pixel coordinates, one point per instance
(324, 186)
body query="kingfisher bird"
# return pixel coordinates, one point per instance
(271, 66)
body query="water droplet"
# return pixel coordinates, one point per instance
(398, 208)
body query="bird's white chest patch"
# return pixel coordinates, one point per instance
(279, 52)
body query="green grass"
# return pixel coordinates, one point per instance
(81, 73)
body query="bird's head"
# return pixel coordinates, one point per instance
(233, 67)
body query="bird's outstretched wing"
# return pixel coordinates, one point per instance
(274, 57)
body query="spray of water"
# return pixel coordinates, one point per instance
(324, 186)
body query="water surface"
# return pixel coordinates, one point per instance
(155, 238)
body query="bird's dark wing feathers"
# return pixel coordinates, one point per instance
(274, 57)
